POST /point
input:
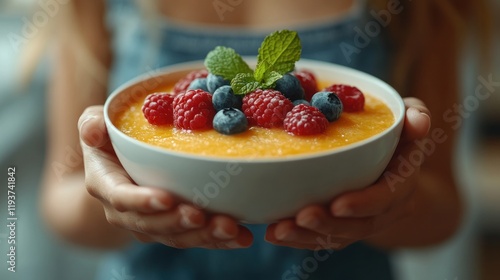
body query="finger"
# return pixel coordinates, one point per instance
(416, 103)
(316, 219)
(417, 120)
(372, 201)
(395, 186)
(162, 223)
(92, 127)
(243, 240)
(221, 232)
(287, 232)
(108, 182)
(125, 196)
(234, 236)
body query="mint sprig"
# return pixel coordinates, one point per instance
(226, 62)
(278, 53)
(244, 83)
(277, 56)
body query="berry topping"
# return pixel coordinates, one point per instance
(328, 103)
(352, 98)
(230, 121)
(199, 83)
(158, 109)
(305, 120)
(183, 84)
(266, 108)
(308, 82)
(224, 97)
(214, 82)
(290, 87)
(193, 110)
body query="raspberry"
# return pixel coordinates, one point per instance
(158, 108)
(352, 98)
(183, 84)
(308, 82)
(193, 110)
(266, 108)
(305, 120)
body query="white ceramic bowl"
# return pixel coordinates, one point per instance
(257, 190)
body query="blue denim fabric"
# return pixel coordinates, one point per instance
(137, 52)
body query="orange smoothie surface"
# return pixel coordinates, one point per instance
(258, 142)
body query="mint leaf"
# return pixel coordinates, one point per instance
(270, 79)
(225, 62)
(277, 56)
(260, 71)
(244, 83)
(279, 52)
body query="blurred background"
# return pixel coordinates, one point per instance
(473, 254)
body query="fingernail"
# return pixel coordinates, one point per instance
(286, 236)
(425, 114)
(416, 111)
(429, 118)
(186, 221)
(343, 212)
(188, 224)
(158, 205)
(82, 123)
(309, 222)
(221, 234)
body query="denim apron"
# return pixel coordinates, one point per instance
(138, 50)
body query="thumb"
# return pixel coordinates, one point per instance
(92, 128)
(417, 120)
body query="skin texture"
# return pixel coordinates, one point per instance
(254, 14)
(100, 206)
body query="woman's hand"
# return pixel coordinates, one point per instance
(150, 214)
(361, 214)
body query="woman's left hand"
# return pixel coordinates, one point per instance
(359, 215)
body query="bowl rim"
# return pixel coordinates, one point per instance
(191, 65)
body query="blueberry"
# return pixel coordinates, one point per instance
(214, 82)
(199, 83)
(224, 97)
(230, 121)
(290, 87)
(328, 103)
(300, 101)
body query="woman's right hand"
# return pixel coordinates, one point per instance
(150, 214)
